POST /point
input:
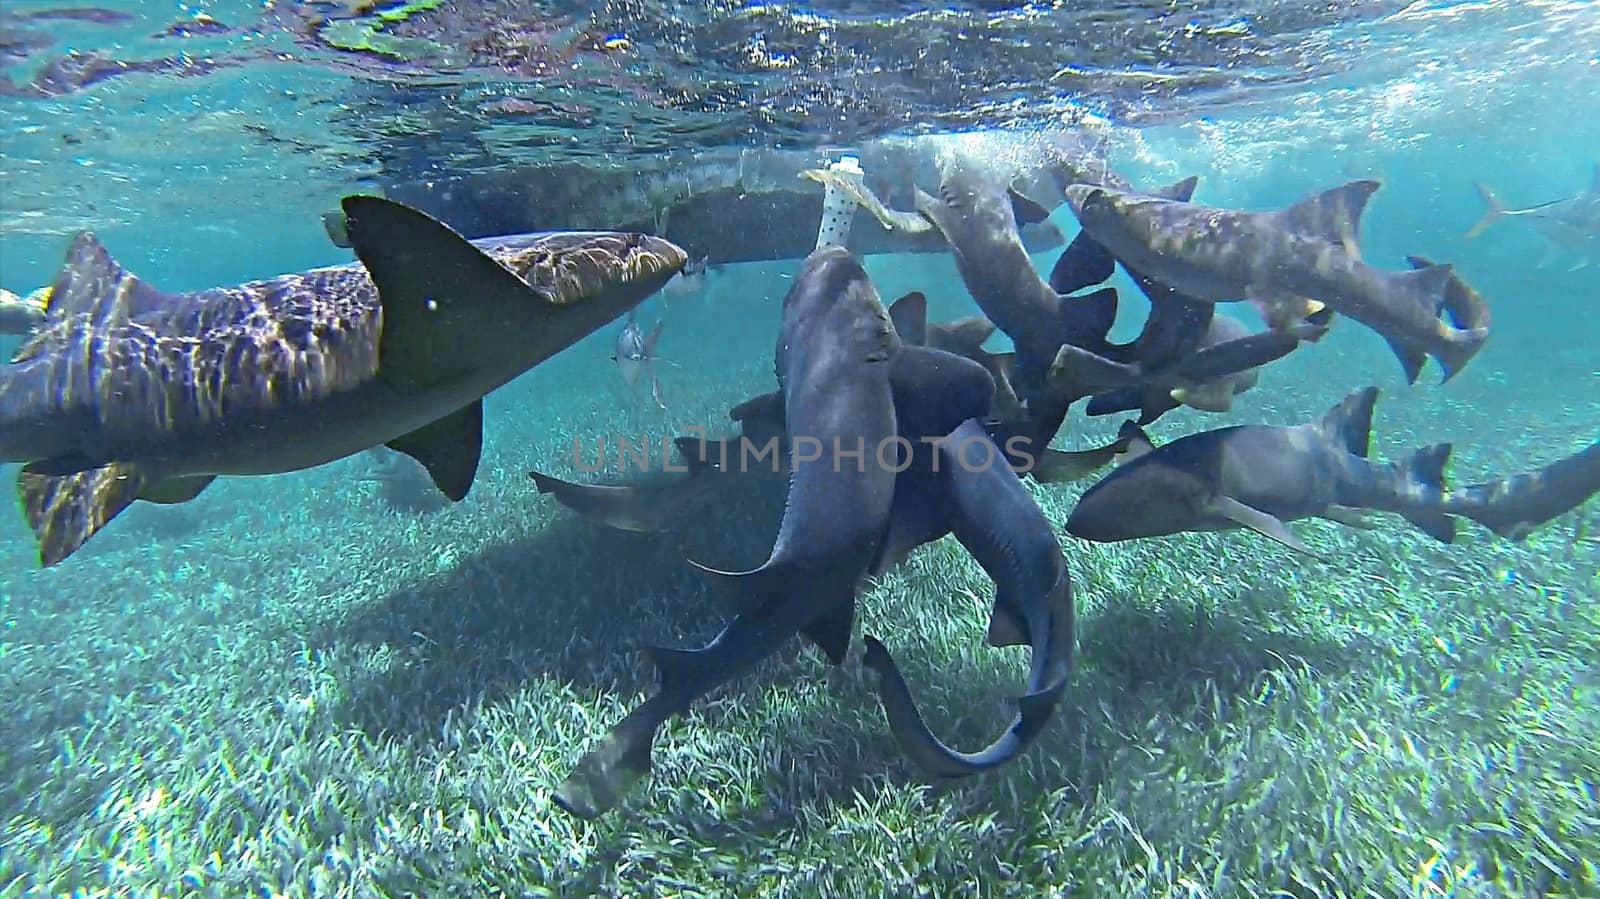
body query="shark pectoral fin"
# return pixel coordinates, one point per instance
(830, 631)
(1411, 359)
(448, 448)
(1086, 320)
(176, 490)
(66, 510)
(1349, 517)
(1078, 372)
(1085, 262)
(1024, 209)
(1260, 522)
(439, 293)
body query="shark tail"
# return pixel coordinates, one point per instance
(1493, 214)
(1444, 294)
(1516, 506)
(1423, 471)
(609, 772)
(932, 754)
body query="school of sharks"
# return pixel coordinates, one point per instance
(889, 431)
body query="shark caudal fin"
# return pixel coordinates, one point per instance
(1515, 506)
(1423, 471)
(1349, 424)
(1466, 307)
(1468, 315)
(1333, 215)
(1491, 215)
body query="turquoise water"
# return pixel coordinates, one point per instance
(330, 683)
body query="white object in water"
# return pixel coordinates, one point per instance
(838, 208)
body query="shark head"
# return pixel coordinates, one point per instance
(1146, 497)
(1094, 206)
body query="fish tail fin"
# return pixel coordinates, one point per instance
(66, 510)
(1432, 288)
(1491, 215)
(1350, 422)
(1423, 472)
(604, 777)
(1459, 348)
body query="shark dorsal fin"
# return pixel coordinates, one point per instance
(1594, 183)
(1333, 215)
(910, 317)
(1137, 443)
(92, 283)
(1350, 422)
(1181, 191)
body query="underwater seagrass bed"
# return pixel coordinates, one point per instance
(332, 683)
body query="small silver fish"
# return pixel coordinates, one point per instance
(636, 355)
(1571, 223)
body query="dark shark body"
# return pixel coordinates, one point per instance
(1306, 251)
(974, 212)
(985, 505)
(833, 356)
(1259, 477)
(129, 393)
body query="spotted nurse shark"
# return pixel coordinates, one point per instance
(126, 392)
(1307, 251)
